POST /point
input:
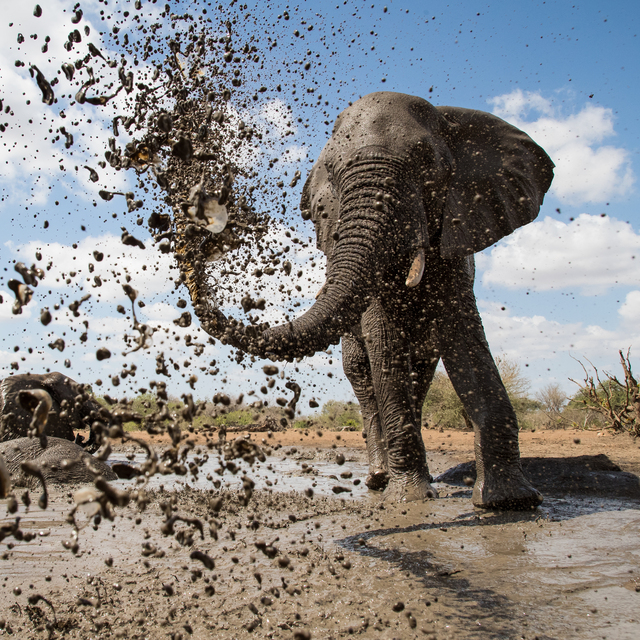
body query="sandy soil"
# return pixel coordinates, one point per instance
(291, 566)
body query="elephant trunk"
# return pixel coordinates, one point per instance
(362, 238)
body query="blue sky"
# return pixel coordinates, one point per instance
(566, 285)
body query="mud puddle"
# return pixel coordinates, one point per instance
(286, 565)
(303, 469)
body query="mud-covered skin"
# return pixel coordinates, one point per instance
(61, 462)
(401, 197)
(71, 406)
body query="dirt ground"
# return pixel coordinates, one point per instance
(291, 564)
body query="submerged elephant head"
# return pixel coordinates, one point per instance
(71, 405)
(400, 178)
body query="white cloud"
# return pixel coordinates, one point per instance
(553, 350)
(536, 337)
(592, 253)
(294, 153)
(586, 170)
(276, 113)
(30, 154)
(150, 270)
(630, 309)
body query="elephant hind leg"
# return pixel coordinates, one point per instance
(355, 363)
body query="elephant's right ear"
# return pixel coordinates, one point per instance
(498, 181)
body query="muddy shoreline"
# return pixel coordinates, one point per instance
(332, 566)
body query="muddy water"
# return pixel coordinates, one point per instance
(305, 468)
(345, 565)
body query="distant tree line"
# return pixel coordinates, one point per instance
(602, 401)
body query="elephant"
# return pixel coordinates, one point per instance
(401, 197)
(61, 462)
(71, 407)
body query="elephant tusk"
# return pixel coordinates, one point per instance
(321, 291)
(417, 269)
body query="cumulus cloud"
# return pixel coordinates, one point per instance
(592, 253)
(33, 152)
(630, 310)
(277, 114)
(539, 338)
(150, 270)
(586, 169)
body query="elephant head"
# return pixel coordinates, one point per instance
(397, 179)
(71, 405)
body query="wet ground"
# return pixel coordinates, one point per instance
(330, 566)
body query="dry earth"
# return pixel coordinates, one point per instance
(332, 566)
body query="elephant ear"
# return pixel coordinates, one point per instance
(498, 181)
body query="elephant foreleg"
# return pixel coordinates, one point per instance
(500, 482)
(356, 367)
(389, 359)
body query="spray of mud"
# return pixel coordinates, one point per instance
(181, 82)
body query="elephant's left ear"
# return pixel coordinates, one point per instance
(498, 181)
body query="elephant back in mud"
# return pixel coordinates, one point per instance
(61, 463)
(71, 406)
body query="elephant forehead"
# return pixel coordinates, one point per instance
(384, 115)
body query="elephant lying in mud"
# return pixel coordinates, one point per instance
(402, 196)
(70, 405)
(61, 462)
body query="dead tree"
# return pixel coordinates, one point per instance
(621, 415)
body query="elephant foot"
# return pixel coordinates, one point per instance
(377, 480)
(506, 492)
(403, 489)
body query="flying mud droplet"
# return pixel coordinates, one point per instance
(184, 320)
(37, 402)
(57, 344)
(131, 241)
(103, 353)
(93, 174)
(68, 70)
(23, 295)
(206, 560)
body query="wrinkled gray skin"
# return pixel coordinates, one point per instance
(62, 462)
(71, 407)
(399, 175)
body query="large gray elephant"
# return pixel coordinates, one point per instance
(402, 196)
(71, 406)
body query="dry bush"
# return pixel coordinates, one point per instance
(442, 407)
(612, 403)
